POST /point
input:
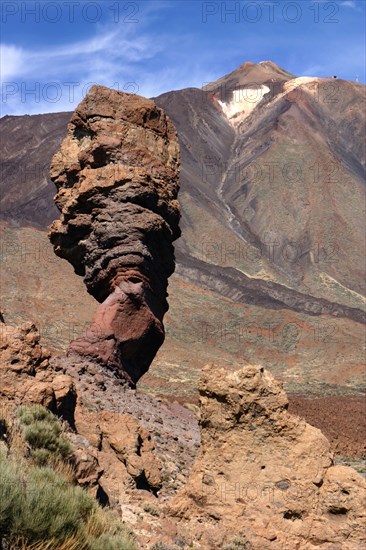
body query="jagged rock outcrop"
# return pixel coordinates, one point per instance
(26, 376)
(115, 456)
(265, 476)
(117, 179)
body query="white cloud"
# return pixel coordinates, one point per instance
(135, 60)
(113, 57)
(11, 61)
(54, 79)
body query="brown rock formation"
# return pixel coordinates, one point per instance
(117, 179)
(115, 456)
(25, 376)
(264, 480)
(264, 475)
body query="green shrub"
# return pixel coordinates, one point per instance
(107, 531)
(10, 493)
(44, 434)
(40, 505)
(42, 457)
(52, 508)
(39, 508)
(31, 413)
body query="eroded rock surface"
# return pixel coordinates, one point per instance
(264, 479)
(264, 476)
(128, 448)
(26, 376)
(117, 179)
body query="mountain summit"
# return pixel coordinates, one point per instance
(248, 73)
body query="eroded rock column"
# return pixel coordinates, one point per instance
(117, 176)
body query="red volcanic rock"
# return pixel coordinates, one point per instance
(117, 179)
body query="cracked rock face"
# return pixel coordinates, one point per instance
(264, 475)
(117, 176)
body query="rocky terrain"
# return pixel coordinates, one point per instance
(271, 178)
(272, 201)
(262, 478)
(130, 451)
(270, 272)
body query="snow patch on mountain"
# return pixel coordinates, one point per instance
(243, 102)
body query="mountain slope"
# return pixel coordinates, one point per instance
(275, 167)
(272, 195)
(26, 148)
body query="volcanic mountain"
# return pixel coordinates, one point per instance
(278, 162)
(270, 265)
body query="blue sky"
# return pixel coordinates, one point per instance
(52, 51)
